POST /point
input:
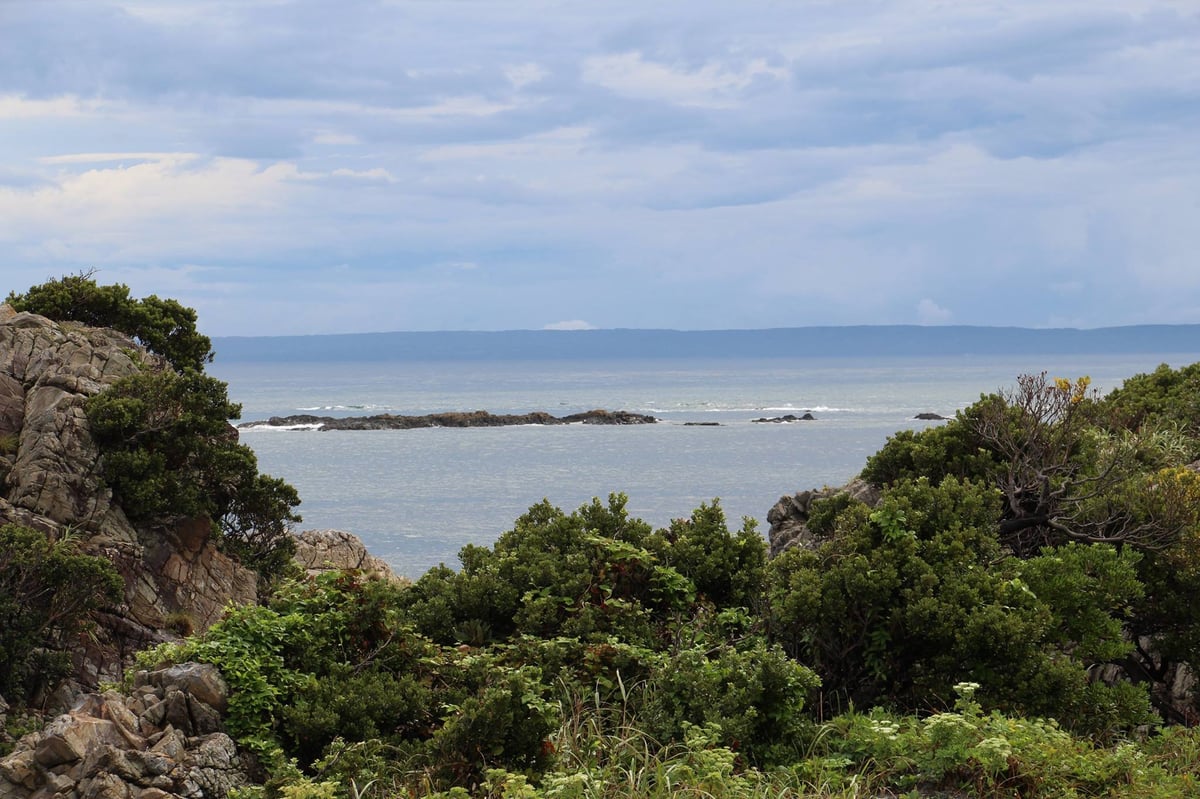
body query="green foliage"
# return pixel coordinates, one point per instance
(1029, 546)
(727, 569)
(988, 755)
(162, 326)
(949, 450)
(750, 697)
(1164, 395)
(332, 660)
(587, 574)
(47, 592)
(900, 603)
(169, 452)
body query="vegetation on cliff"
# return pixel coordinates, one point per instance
(164, 327)
(168, 450)
(47, 591)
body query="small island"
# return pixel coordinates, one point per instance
(388, 421)
(791, 417)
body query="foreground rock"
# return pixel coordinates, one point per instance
(319, 551)
(789, 516)
(49, 481)
(387, 421)
(164, 740)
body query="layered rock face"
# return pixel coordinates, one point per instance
(50, 481)
(164, 740)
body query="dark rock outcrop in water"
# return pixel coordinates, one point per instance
(388, 421)
(930, 417)
(791, 417)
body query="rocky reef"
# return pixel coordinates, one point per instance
(388, 421)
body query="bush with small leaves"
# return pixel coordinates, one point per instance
(164, 327)
(169, 452)
(48, 591)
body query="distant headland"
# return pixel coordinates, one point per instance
(847, 341)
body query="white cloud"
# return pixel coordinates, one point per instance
(714, 84)
(378, 174)
(101, 158)
(333, 137)
(739, 159)
(930, 313)
(522, 75)
(570, 324)
(13, 106)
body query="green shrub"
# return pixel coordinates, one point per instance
(162, 326)
(751, 698)
(1164, 395)
(48, 591)
(727, 569)
(950, 450)
(900, 603)
(588, 574)
(169, 452)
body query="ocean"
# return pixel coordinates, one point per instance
(416, 497)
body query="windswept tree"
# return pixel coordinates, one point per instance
(165, 327)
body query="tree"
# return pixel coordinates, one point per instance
(1062, 478)
(1065, 468)
(164, 327)
(169, 452)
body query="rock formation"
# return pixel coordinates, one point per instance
(791, 417)
(336, 550)
(789, 516)
(50, 481)
(163, 740)
(388, 421)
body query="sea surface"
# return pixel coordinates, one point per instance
(417, 496)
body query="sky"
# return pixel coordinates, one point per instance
(336, 166)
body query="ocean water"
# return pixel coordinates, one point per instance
(417, 496)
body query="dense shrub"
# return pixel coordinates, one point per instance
(949, 450)
(586, 574)
(1164, 395)
(726, 569)
(169, 452)
(47, 592)
(162, 326)
(332, 660)
(899, 603)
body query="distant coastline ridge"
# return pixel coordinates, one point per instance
(829, 341)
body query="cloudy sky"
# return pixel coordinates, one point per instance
(317, 166)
